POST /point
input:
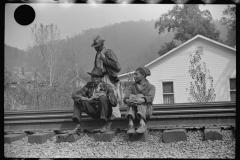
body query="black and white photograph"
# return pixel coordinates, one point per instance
(119, 80)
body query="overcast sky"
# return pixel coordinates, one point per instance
(72, 19)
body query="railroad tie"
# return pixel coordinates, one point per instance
(138, 136)
(212, 134)
(105, 137)
(13, 137)
(68, 137)
(40, 138)
(174, 135)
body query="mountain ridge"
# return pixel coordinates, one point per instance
(131, 41)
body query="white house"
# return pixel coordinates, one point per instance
(170, 71)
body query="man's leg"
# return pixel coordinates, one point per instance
(130, 115)
(77, 114)
(104, 111)
(80, 107)
(141, 115)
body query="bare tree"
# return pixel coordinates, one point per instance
(49, 60)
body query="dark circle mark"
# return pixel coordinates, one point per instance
(24, 15)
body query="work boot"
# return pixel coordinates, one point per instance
(104, 127)
(75, 130)
(131, 129)
(141, 129)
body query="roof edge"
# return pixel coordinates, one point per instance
(185, 43)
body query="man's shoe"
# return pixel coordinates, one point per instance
(104, 129)
(141, 128)
(75, 130)
(131, 129)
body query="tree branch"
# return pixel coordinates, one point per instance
(41, 76)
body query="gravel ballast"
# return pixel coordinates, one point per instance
(120, 147)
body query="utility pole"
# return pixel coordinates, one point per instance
(75, 57)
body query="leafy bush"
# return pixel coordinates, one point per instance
(201, 90)
(38, 96)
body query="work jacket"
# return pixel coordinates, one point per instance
(110, 64)
(148, 91)
(89, 89)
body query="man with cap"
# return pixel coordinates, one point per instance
(139, 97)
(107, 60)
(96, 99)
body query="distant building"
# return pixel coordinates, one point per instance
(169, 73)
(29, 77)
(17, 76)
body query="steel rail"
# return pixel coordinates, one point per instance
(214, 113)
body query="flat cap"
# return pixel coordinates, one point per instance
(146, 71)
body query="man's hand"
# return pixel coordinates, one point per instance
(77, 99)
(128, 101)
(135, 99)
(132, 98)
(85, 99)
(90, 99)
(139, 100)
(81, 98)
(99, 94)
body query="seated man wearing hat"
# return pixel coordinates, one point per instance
(107, 60)
(139, 97)
(96, 99)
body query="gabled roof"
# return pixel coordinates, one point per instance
(185, 43)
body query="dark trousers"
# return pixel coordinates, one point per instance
(138, 111)
(101, 109)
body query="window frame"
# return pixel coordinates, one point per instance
(196, 49)
(162, 94)
(229, 87)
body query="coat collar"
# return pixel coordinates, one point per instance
(102, 52)
(146, 84)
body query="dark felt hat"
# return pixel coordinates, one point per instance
(97, 41)
(97, 72)
(146, 71)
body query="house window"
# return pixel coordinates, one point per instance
(168, 95)
(232, 89)
(200, 50)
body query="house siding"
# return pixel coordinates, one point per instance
(174, 67)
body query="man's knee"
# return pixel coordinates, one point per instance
(102, 98)
(130, 116)
(148, 116)
(81, 105)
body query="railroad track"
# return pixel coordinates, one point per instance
(164, 116)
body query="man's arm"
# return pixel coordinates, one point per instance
(81, 94)
(143, 99)
(111, 61)
(150, 97)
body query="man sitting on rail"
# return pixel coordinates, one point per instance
(139, 97)
(96, 99)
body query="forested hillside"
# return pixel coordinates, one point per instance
(134, 43)
(14, 57)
